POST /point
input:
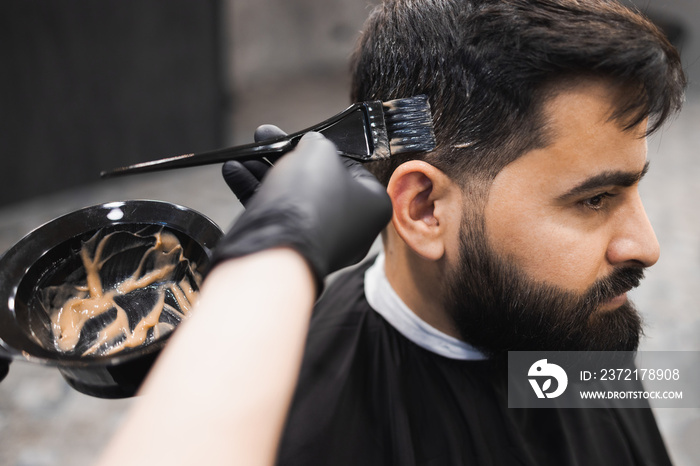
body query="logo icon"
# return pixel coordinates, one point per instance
(543, 370)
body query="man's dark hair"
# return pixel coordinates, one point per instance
(488, 65)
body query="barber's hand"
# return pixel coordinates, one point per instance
(244, 177)
(4, 368)
(329, 210)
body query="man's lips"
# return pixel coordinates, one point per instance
(614, 302)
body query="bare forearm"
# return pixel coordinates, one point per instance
(219, 392)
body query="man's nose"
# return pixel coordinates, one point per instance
(634, 240)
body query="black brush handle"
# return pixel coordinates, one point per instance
(349, 130)
(244, 152)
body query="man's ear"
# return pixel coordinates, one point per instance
(426, 206)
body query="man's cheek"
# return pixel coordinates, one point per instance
(557, 257)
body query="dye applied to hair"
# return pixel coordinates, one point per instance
(135, 289)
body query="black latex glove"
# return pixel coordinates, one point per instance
(329, 210)
(4, 368)
(244, 177)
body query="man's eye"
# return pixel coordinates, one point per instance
(596, 202)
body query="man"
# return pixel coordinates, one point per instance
(523, 230)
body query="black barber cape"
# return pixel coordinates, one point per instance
(369, 396)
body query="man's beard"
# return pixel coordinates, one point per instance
(497, 308)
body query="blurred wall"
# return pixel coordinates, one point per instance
(679, 19)
(288, 61)
(89, 85)
(273, 39)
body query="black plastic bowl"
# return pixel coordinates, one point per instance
(48, 254)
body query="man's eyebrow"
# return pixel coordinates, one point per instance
(613, 178)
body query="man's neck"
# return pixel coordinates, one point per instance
(384, 300)
(419, 284)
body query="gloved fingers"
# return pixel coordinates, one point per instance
(361, 175)
(315, 144)
(265, 132)
(365, 199)
(4, 368)
(313, 153)
(240, 180)
(314, 201)
(359, 172)
(258, 167)
(243, 178)
(371, 196)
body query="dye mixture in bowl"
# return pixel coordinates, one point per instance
(120, 289)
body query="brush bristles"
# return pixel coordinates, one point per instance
(409, 125)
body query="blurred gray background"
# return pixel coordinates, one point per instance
(89, 85)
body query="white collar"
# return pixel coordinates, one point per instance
(383, 299)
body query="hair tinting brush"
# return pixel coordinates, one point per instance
(365, 131)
